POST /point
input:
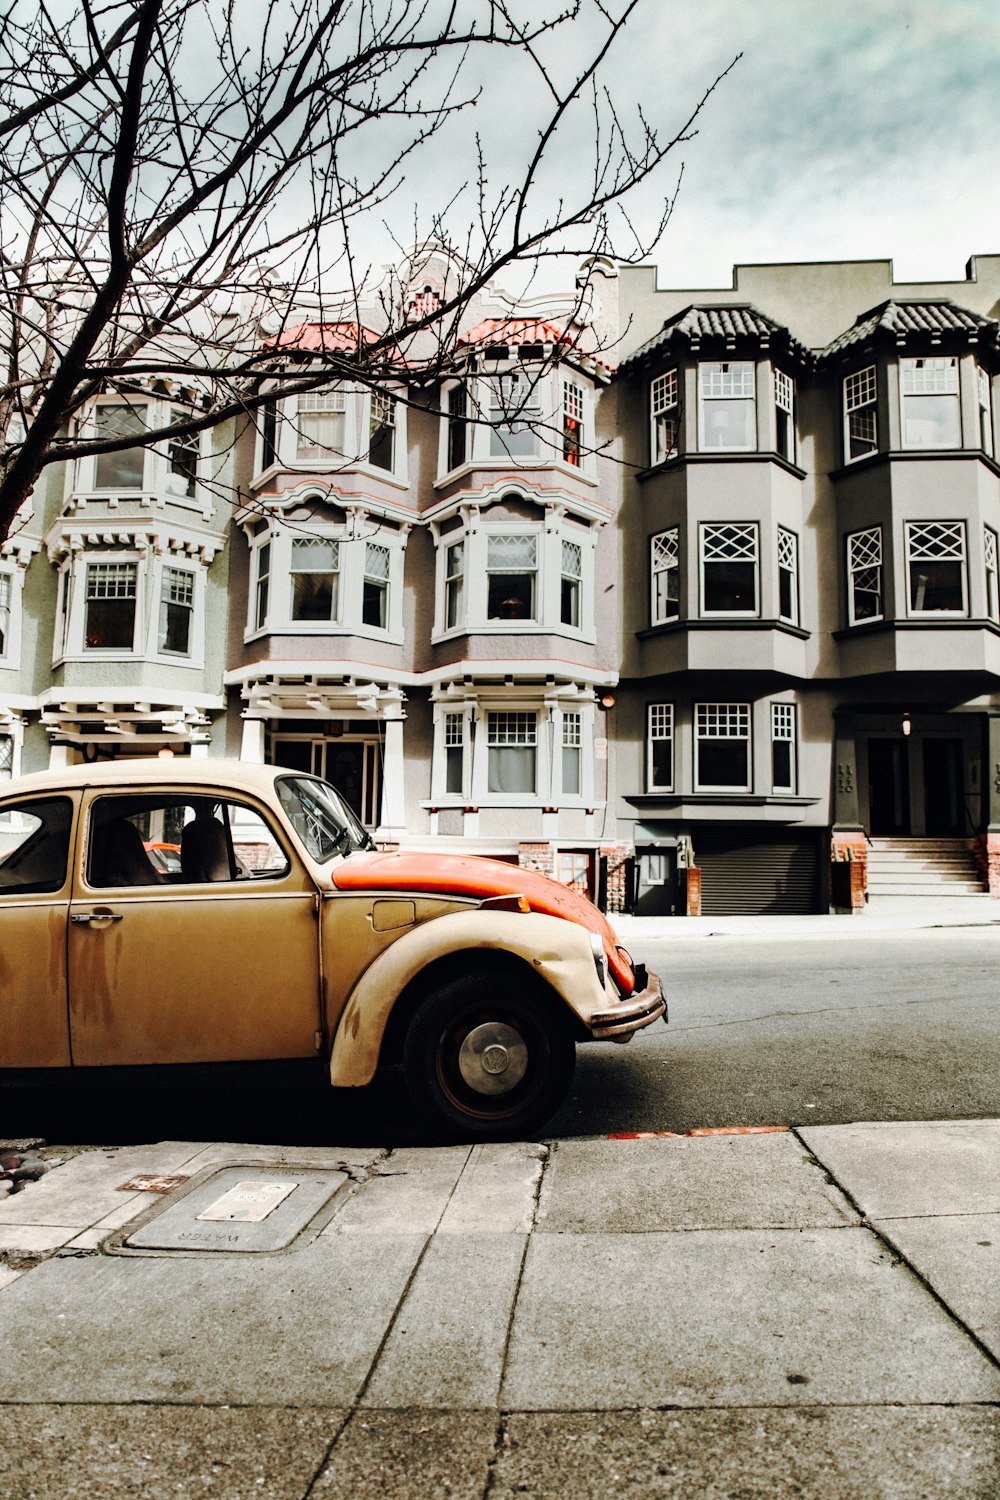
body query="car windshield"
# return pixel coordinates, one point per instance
(321, 817)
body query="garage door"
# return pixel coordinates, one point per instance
(750, 874)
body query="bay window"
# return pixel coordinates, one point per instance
(512, 752)
(262, 591)
(320, 426)
(572, 752)
(454, 584)
(176, 612)
(660, 747)
(572, 574)
(784, 415)
(123, 470)
(860, 414)
(935, 560)
(382, 431)
(664, 417)
(722, 747)
(864, 575)
(929, 399)
(515, 411)
(454, 753)
(375, 595)
(458, 427)
(783, 747)
(665, 574)
(511, 576)
(315, 578)
(727, 406)
(110, 595)
(729, 559)
(572, 423)
(182, 461)
(788, 576)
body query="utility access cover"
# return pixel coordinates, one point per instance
(239, 1208)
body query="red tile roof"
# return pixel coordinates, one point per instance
(341, 337)
(516, 332)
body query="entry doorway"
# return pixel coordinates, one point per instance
(944, 787)
(351, 763)
(888, 787)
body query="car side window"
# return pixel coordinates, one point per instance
(34, 845)
(155, 839)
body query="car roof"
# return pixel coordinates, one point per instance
(176, 770)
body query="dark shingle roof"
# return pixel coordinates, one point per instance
(924, 322)
(718, 325)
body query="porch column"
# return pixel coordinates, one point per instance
(252, 747)
(392, 820)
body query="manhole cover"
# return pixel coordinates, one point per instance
(239, 1208)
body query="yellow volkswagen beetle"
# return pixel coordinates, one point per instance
(286, 937)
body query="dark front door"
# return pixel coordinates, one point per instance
(943, 788)
(888, 787)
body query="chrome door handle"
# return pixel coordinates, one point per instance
(82, 918)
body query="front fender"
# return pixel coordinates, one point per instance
(558, 951)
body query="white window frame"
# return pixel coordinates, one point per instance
(664, 417)
(360, 407)
(733, 381)
(119, 561)
(533, 572)
(9, 617)
(192, 446)
(456, 401)
(864, 556)
(571, 742)
(545, 396)
(328, 402)
(788, 563)
(453, 592)
(664, 560)
(574, 435)
(659, 730)
(924, 380)
(516, 395)
(729, 541)
(991, 549)
(710, 719)
(571, 582)
(516, 729)
(353, 559)
(481, 564)
(784, 730)
(922, 546)
(297, 545)
(984, 401)
(784, 416)
(861, 413)
(88, 468)
(195, 655)
(8, 754)
(452, 735)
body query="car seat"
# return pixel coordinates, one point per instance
(119, 857)
(204, 851)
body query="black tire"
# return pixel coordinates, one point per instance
(488, 1058)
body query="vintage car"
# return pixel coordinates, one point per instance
(285, 936)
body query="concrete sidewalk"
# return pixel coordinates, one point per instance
(884, 916)
(786, 1313)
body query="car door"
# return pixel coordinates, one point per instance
(35, 841)
(217, 962)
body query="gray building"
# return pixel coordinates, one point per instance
(645, 583)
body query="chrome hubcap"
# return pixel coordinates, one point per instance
(493, 1058)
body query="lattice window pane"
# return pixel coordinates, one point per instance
(311, 555)
(784, 391)
(383, 411)
(723, 721)
(5, 590)
(860, 389)
(663, 393)
(933, 540)
(989, 547)
(783, 721)
(572, 560)
(454, 730)
(727, 380)
(6, 757)
(925, 377)
(376, 561)
(729, 543)
(665, 549)
(866, 548)
(661, 721)
(111, 581)
(511, 729)
(572, 730)
(572, 401)
(178, 586)
(511, 554)
(324, 401)
(787, 549)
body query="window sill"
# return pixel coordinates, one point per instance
(718, 799)
(722, 455)
(921, 455)
(304, 471)
(493, 465)
(368, 632)
(512, 627)
(925, 622)
(727, 622)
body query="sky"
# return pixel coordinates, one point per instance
(848, 129)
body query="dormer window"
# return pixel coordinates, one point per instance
(860, 420)
(929, 398)
(727, 407)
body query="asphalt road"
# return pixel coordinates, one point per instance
(762, 1032)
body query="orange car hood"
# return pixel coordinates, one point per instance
(472, 875)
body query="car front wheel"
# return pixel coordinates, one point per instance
(486, 1061)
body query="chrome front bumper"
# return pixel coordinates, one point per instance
(621, 1022)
